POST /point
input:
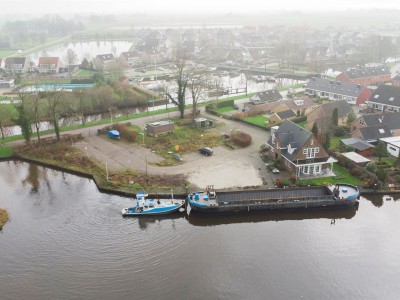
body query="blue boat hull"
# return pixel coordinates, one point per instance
(154, 211)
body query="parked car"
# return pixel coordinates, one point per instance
(206, 151)
(275, 171)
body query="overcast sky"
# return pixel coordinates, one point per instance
(181, 6)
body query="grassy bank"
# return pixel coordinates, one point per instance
(3, 217)
(66, 157)
(5, 151)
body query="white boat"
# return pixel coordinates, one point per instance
(147, 207)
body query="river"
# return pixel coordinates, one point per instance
(66, 240)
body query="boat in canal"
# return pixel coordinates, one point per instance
(256, 200)
(147, 207)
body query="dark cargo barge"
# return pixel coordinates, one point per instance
(247, 201)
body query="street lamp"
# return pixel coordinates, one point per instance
(110, 114)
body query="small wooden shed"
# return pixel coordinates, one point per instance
(160, 127)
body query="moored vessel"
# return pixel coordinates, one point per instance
(246, 201)
(147, 207)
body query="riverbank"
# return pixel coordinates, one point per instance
(65, 157)
(3, 217)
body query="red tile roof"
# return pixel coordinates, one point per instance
(49, 61)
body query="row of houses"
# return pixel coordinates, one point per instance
(53, 65)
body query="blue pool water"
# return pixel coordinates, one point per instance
(57, 87)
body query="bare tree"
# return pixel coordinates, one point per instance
(5, 119)
(71, 58)
(197, 86)
(55, 101)
(34, 108)
(182, 82)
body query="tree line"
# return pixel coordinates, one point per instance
(52, 105)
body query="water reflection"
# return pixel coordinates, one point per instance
(145, 221)
(378, 200)
(332, 217)
(66, 240)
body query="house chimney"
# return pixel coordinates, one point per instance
(358, 86)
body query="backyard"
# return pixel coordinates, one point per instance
(342, 176)
(257, 120)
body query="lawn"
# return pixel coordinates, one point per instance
(302, 124)
(224, 109)
(257, 120)
(335, 141)
(82, 72)
(187, 138)
(5, 151)
(342, 176)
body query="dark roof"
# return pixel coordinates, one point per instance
(343, 108)
(267, 96)
(367, 72)
(129, 54)
(286, 114)
(389, 119)
(335, 87)
(357, 143)
(15, 60)
(373, 133)
(386, 94)
(291, 134)
(105, 57)
(306, 102)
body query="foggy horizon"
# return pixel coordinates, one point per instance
(176, 7)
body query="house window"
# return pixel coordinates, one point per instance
(310, 152)
(317, 169)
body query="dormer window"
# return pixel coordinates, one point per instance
(310, 152)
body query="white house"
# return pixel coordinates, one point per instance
(392, 145)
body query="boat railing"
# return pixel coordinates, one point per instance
(277, 200)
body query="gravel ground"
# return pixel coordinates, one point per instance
(225, 169)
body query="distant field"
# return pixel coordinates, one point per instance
(6, 52)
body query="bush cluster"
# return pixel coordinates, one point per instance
(240, 138)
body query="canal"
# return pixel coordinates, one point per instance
(66, 240)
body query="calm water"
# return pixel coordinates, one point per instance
(67, 240)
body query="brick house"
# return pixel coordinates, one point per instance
(301, 106)
(104, 62)
(130, 58)
(385, 98)
(281, 116)
(336, 90)
(366, 76)
(266, 96)
(372, 134)
(389, 119)
(16, 65)
(299, 151)
(322, 115)
(396, 81)
(49, 65)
